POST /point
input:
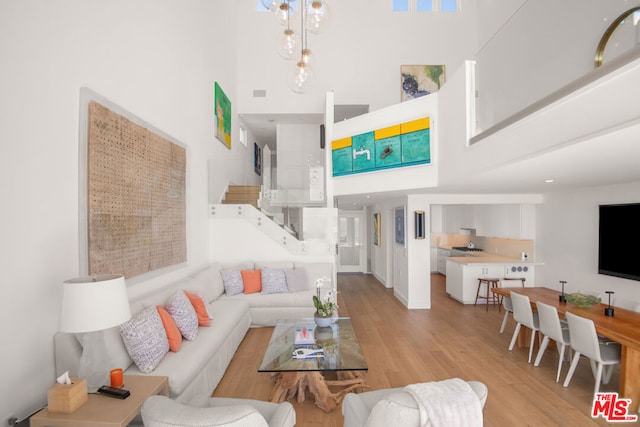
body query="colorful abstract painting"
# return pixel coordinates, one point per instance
(257, 159)
(376, 228)
(223, 116)
(420, 80)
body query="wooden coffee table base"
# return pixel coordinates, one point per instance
(291, 384)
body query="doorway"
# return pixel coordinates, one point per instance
(352, 242)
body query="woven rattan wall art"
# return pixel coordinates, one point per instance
(136, 211)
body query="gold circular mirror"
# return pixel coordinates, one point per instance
(622, 35)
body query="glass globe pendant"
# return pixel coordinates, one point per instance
(318, 16)
(284, 11)
(302, 78)
(306, 56)
(271, 5)
(288, 43)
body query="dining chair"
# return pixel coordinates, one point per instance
(506, 301)
(524, 316)
(584, 341)
(551, 328)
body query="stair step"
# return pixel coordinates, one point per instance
(240, 196)
(253, 203)
(244, 189)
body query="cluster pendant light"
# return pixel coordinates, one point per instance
(313, 16)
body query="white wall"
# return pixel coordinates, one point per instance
(298, 149)
(567, 241)
(151, 57)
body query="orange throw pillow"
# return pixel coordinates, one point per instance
(173, 333)
(252, 280)
(201, 310)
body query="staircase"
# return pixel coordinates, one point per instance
(243, 195)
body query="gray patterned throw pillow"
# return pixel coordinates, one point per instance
(146, 340)
(232, 281)
(274, 281)
(182, 311)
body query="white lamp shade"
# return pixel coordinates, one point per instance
(94, 303)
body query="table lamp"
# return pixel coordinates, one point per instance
(562, 297)
(92, 305)
(608, 311)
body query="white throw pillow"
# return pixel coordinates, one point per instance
(209, 282)
(297, 280)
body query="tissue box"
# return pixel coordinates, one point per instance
(66, 398)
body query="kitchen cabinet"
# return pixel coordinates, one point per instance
(467, 216)
(470, 276)
(491, 220)
(454, 280)
(528, 222)
(512, 221)
(462, 279)
(443, 254)
(451, 218)
(434, 259)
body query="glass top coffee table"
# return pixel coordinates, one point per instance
(343, 359)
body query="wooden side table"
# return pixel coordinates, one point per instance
(105, 411)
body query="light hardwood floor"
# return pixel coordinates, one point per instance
(404, 346)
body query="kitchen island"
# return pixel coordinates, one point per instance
(463, 274)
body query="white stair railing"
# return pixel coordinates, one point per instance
(260, 221)
(316, 246)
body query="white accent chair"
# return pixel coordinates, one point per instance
(395, 407)
(584, 341)
(551, 328)
(160, 411)
(506, 301)
(524, 316)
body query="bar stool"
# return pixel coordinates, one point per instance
(490, 283)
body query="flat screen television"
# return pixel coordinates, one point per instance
(619, 241)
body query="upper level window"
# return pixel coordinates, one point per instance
(265, 5)
(448, 5)
(401, 5)
(425, 5)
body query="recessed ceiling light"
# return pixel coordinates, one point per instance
(548, 181)
(368, 196)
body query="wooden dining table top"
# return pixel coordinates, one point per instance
(622, 327)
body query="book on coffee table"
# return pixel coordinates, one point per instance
(304, 336)
(314, 351)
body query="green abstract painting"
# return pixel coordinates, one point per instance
(223, 116)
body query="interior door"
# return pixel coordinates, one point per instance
(352, 242)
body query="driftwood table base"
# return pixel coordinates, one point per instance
(295, 384)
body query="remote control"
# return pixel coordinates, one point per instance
(119, 393)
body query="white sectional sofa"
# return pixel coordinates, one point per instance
(199, 365)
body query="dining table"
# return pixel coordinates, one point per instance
(623, 327)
